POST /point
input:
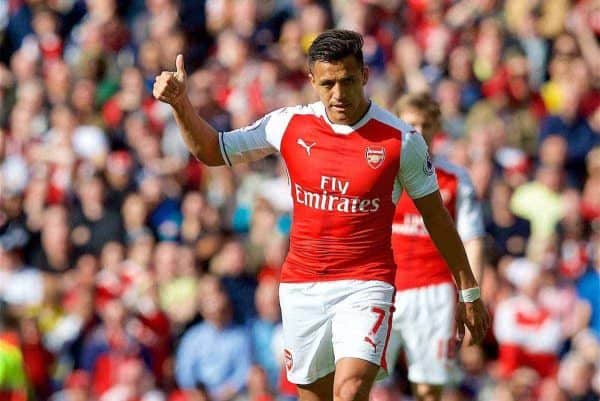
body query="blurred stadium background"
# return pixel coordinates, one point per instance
(115, 246)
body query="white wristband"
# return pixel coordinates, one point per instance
(469, 295)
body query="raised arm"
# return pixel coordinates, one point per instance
(201, 139)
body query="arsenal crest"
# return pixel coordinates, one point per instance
(375, 156)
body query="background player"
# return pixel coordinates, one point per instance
(425, 303)
(340, 267)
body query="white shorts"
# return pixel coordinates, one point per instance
(326, 321)
(424, 326)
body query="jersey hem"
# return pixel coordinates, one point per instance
(318, 279)
(419, 196)
(224, 154)
(423, 283)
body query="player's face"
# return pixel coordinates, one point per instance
(417, 119)
(340, 88)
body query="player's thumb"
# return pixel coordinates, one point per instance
(180, 73)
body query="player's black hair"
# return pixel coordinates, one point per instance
(334, 45)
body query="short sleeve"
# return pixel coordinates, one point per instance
(417, 174)
(254, 141)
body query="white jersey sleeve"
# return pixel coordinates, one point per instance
(469, 217)
(416, 174)
(257, 140)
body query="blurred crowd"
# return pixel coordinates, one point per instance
(130, 272)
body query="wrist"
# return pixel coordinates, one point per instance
(179, 103)
(469, 294)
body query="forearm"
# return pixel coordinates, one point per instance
(470, 311)
(201, 139)
(474, 250)
(443, 233)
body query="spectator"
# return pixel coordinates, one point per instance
(13, 381)
(133, 382)
(576, 131)
(179, 294)
(215, 352)
(76, 388)
(54, 252)
(119, 166)
(135, 216)
(108, 347)
(264, 327)
(527, 334)
(230, 265)
(540, 203)
(93, 223)
(21, 285)
(509, 233)
(36, 358)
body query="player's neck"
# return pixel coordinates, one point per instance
(362, 110)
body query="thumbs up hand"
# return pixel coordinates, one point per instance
(170, 87)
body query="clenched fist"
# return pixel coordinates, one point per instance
(170, 87)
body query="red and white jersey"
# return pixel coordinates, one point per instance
(418, 259)
(528, 335)
(344, 182)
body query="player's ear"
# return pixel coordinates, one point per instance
(365, 73)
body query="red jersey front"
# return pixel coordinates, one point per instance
(418, 259)
(342, 181)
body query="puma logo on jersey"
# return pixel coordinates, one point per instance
(306, 147)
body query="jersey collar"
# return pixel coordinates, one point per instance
(344, 129)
